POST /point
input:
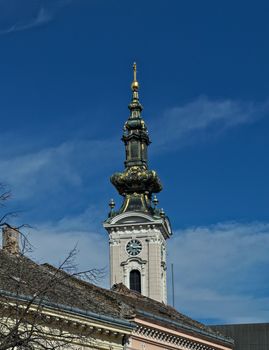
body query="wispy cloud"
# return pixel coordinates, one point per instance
(44, 13)
(42, 17)
(221, 271)
(67, 164)
(201, 118)
(72, 162)
(53, 241)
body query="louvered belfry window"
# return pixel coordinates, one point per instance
(135, 281)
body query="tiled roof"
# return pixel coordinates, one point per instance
(21, 275)
(164, 315)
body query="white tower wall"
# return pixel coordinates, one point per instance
(150, 262)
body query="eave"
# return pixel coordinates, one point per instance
(97, 322)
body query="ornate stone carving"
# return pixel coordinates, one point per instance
(169, 339)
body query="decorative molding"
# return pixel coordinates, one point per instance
(168, 339)
(83, 331)
(114, 241)
(137, 226)
(136, 259)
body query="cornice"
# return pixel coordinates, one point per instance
(72, 316)
(138, 226)
(170, 338)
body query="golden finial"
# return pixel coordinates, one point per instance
(135, 85)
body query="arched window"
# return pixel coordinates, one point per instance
(135, 281)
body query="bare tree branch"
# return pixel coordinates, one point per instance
(25, 290)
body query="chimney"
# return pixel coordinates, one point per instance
(10, 240)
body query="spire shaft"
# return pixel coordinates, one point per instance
(134, 68)
(135, 84)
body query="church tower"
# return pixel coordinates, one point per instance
(138, 230)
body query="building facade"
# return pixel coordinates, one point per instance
(138, 230)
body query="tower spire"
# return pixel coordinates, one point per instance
(139, 229)
(135, 106)
(136, 184)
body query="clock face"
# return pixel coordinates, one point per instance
(134, 247)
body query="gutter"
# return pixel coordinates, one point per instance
(73, 310)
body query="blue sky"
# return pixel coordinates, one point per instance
(65, 69)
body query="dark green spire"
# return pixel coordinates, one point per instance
(136, 184)
(135, 135)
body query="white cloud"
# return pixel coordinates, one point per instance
(201, 118)
(221, 271)
(52, 241)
